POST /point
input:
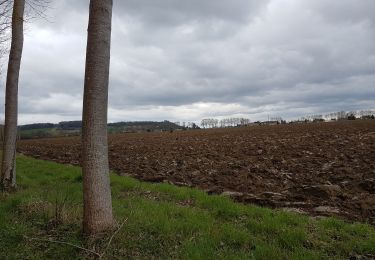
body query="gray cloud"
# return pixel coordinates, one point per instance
(173, 13)
(192, 59)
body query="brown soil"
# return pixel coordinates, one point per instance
(320, 169)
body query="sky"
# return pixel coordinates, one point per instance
(189, 60)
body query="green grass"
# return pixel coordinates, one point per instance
(162, 221)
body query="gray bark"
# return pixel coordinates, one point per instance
(97, 216)
(8, 167)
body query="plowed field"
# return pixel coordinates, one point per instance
(319, 169)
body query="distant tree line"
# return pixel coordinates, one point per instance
(154, 124)
(225, 122)
(69, 125)
(65, 125)
(340, 115)
(209, 123)
(37, 126)
(74, 125)
(187, 125)
(277, 120)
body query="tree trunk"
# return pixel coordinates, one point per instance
(97, 216)
(8, 167)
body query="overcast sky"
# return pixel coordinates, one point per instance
(188, 60)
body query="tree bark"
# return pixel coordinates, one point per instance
(8, 167)
(97, 216)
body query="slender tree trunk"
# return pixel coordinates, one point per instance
(8, 168)
(97, 216)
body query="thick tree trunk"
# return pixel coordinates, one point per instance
(8, 168)
(97, 216)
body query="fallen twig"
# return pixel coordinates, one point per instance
(113, 235)
(65, 243)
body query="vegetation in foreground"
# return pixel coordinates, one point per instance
(43, 220)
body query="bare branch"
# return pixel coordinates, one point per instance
(34, 9)
(37, 9)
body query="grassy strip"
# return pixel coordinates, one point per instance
(43, 220)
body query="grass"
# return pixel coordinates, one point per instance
(161, 221)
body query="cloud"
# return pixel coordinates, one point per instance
(170, 13)
(192, 59)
